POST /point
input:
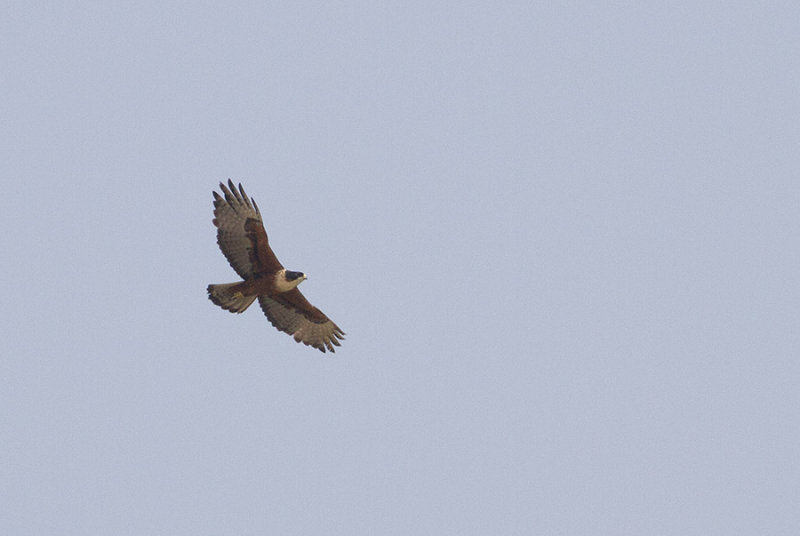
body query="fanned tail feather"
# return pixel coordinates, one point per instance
(227, 297)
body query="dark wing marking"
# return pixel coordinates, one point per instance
(291, 313)
(240, 233)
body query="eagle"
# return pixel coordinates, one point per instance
(243, 240)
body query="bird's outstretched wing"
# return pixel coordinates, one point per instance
(240, 233)
(291, 313)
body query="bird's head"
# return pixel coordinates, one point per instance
(286, 280)
(292, 276)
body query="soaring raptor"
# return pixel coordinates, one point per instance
(243, 241)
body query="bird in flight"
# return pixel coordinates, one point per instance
(243, 240)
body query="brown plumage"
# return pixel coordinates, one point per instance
(243, 240)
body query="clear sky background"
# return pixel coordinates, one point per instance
(562, 240)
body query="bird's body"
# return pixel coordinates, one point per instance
(252, 288)
(243, 240)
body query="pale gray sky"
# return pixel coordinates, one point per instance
(562, 240)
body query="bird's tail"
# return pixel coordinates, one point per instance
(229, 297)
